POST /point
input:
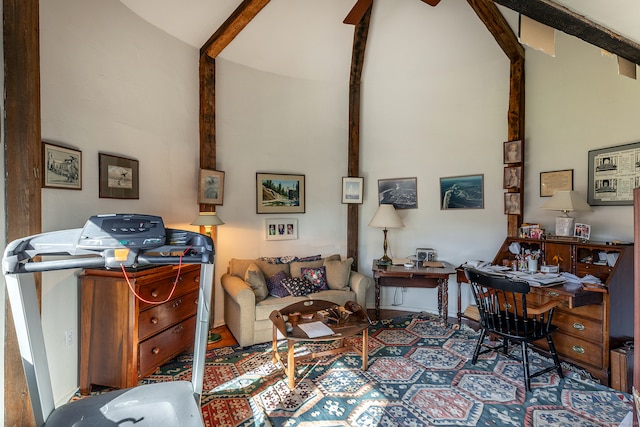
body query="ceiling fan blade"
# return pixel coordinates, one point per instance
(357, 12)
(432, 2)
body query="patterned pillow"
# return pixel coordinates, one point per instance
(275, 286)
(288, 259)
(299, 286)
(317, 276)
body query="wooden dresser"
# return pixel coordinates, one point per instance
(590, 323)
(122, 338)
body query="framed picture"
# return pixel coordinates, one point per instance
(513, 151)
(211, 187)
(582, 231)
(402, 193)
(512, 177)
(553, 181)
(118, 177)
(512, 204)
(462, 192)
(279, 193)
(62, 167)
(613, 174)
(352, 189)
(281, 229)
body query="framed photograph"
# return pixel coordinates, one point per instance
(462, 192)
(402, 193)
(513, 151)
(512, 204)
(119, 177)
(279, 193)
(613, 174)
(281, 229)
(211, 187)
(352, 189)
(582, 231)
(512, 177)
(62, 167)
(553, 181)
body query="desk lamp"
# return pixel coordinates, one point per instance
(565, 201)
(386, 217)
(208, 220)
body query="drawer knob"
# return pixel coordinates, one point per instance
(578, 349)
(195, 301)
(197, 279)
(178, 329)
(154, 293)
(553, 294)
(578, 326)
(177, 303)
(155, 350)
(154, 320)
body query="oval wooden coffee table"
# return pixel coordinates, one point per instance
(357, 321)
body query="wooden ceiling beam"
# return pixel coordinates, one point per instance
(490, 15)
(563, 19)
(244, 13)
(432, 2)
(357, 12)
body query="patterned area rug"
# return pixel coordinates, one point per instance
(419, 374)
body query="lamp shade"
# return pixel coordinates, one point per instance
(207, 219)
(566, 201)
(386, 217)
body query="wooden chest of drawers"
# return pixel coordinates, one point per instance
(124, 338)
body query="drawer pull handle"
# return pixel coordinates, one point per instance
(197, 279)
(154, 293)
(195, 301)
(553, 294)
(155, 350)
(178, 329)
(177, 303)
(154, 320)
(578, 326)
(578, 349)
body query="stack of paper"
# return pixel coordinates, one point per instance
(315, 329)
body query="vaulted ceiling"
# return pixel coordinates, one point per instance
(305, 30)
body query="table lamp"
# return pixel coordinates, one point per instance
(209, 220)
(565, 201)
(386, 217)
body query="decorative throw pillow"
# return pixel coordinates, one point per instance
(275, 286)
(317, 276)
(299, 286)
(338, 273)
(255, 279)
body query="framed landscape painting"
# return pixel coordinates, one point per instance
(279, 193)
(462, 192)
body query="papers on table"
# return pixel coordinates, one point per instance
(315, 329)
(539, 279)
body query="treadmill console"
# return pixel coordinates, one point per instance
(115, 231)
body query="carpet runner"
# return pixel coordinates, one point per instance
(420, 374)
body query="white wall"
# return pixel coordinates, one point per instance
(112, 83)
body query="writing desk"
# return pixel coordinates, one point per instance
(415, 277)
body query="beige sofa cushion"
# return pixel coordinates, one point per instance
(255, 278)
(338, 273)
(238, 267)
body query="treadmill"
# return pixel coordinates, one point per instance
(108, 241)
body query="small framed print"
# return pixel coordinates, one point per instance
(582, 231)
(352, 189)
(553, 181)
(513, 151)
(118, 177)
(211, 187)
(281, 229)
(512, 177)
(512, 203)
(62, 168)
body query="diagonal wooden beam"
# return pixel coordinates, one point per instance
(236, 22)
(563, 19)
(499, 27)
(357, 12)
(432, 2)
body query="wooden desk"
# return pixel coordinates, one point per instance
(415, 277)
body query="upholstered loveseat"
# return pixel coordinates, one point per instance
(250, 285)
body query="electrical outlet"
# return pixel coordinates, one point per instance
(68, 337)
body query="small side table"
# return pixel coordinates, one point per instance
(357, 322)
(415, 277)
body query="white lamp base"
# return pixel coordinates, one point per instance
(564, 226)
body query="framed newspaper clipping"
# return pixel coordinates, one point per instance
(613, 174)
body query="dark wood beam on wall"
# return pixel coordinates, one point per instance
(207, 118)
(508, 42)
(563, 19)
(360, 36)
(22, 145)
(244, 13)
